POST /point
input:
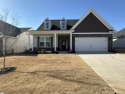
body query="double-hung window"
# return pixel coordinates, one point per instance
(63, 25)
(47, 25)
(45, 41)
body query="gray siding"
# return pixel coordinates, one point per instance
(91, 24)
(119, 43)
(1, 45)
(120, 33)
(93, 35)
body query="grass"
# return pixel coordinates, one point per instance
(51, 74)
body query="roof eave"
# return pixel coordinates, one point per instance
(51, 32)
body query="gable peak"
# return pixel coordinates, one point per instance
(47, 19)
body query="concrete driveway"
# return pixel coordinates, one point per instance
(111, 67)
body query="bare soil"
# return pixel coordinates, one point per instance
(51, 74)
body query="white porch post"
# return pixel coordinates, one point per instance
(54, 41)
(70, 41)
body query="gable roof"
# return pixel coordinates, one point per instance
(13, 30)
(98, 16)
(56, 24)
(120, 33)
(23, 29)
(0, 33)
(5, 27)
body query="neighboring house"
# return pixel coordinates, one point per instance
(119, 39)
(1, 43)
(21, 44)
(17, 38)
(90, 33)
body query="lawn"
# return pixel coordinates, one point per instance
(51, 74)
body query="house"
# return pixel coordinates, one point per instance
(21, 41)
(119, 40)
(90, 33)
(16, 38)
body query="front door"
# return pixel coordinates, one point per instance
(63, 44)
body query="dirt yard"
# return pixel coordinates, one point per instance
(51, 74)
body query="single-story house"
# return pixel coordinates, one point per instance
(16, 38)
(119, 40)
(21, 43)
(90, 33)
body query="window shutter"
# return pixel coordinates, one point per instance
(38, 41)
(51, 41)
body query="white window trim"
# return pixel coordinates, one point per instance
(61, 23)
(45, 41)
(46, 25)
(49, 22)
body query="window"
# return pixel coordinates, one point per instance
(45, 41)
(63, 25)
(47, 25)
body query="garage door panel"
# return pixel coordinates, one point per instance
(91, 44)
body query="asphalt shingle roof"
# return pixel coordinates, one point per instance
(56, 24)
(24, 29)
(10, 30)
(120, 33)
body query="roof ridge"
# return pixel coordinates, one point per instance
(121, 29)
(8, 23)
(24, 27)
(66, 19)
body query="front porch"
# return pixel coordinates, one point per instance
(52, 41)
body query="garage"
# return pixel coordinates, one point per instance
(91, 44)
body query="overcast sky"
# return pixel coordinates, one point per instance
(33, 12)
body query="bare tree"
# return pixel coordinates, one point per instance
(7, 30)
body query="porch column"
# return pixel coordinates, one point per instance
(70, 41)
(55, 42)
(28, 41)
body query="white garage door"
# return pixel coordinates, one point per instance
(91, 44)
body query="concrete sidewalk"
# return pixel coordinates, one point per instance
(111, 67)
